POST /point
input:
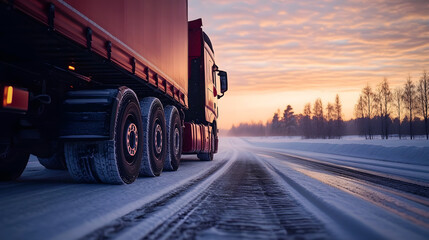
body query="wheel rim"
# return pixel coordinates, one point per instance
(158, 138)
(132, 139)
(176, 141)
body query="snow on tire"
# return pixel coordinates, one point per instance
(174, 138)
(114, 161)
(155, 141)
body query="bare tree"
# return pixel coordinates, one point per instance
(307, 109)
(378, 109)
(360, 108)
(397, 99)
(330, 112)
(386, 99)
(409, 99)
(318, 117)
(423, 99)
(306, 121)
(368, 97)
(330, 118)
(338, 116)
(360, 115)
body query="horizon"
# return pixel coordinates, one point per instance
(291, 53)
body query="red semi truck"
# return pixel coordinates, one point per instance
(108, 89)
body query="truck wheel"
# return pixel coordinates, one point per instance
(114, 161)
(155, 140)
(174, 138)
(57, 161)
(12, 162)
(208, 156)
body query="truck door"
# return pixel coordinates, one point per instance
(210, 80)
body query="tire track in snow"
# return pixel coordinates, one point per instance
(142, 220)
(348, 172)
(350, 227)
(246, 202)
(412, 205)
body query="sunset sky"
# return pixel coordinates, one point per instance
(291, 52)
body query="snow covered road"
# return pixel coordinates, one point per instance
(249, 191)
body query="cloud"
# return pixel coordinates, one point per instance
(276, 46)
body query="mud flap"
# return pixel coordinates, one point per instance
(89, 114)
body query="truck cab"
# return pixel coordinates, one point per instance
(205, 75)
(206, 84)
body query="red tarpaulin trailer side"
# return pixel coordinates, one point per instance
(148, 38)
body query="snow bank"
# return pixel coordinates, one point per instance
(395, 150)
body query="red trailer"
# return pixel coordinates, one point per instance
(109, 90)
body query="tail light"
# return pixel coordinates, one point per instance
(15, 98)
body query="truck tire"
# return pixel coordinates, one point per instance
(12, 162)
(114, 161)
(208, 156)
(174, 138)
(57, 161)
(154, 140)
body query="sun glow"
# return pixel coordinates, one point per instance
(291, 52)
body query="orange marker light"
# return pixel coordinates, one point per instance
(9, 95)
(15, 98)
(72, 68)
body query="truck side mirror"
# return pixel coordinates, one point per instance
(223, 81)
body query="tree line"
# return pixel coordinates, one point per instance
(315, 122)
(396, 111)
(380, 111)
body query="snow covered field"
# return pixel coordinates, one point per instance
(408, 158)
(381, 186)
(392, 150)
(256, 188)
